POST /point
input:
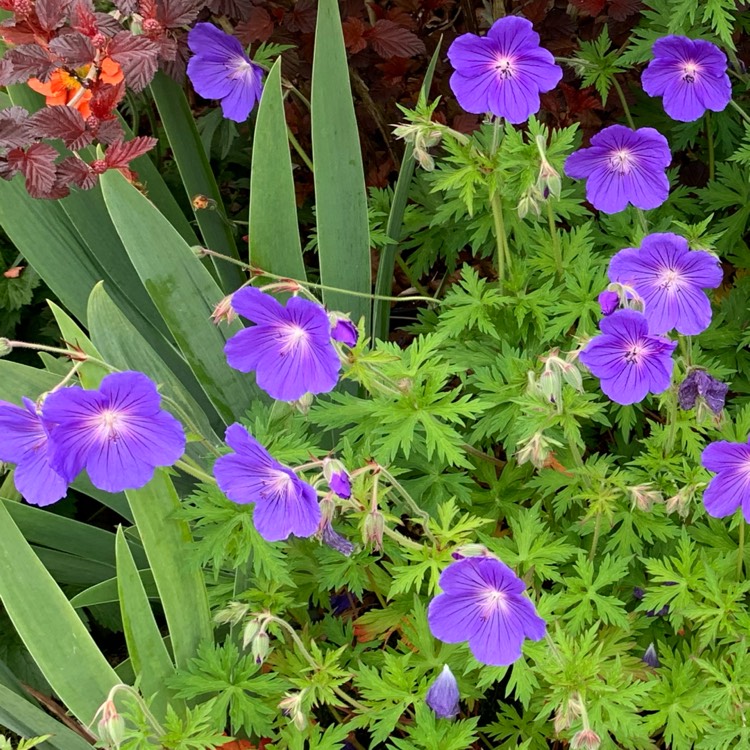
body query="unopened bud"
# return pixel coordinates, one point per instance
(5, 347)
(586, 739)
(260, 647)
(231, 614)
(343, 330)
(536, 450)
(111, 727)
(223, 311)
(291, 705)
(644, 497)
(373, 529)
(337, 477)
(252, 630)
(443, 696)
(680, 503)
(550, 384)
(303, 404)
(650, 657)
(470, 550)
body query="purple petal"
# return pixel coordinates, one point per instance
(112, 467)
(258, 307)
(453, 619)
(645, 188)
(209, 77)
(726, 492)
(244, 93)
(473, 92)
(628, 386)
(627, 324)
(714, 92)
(131, 392)
(22, 432)
(37, 481)
(295, 512)
(515, 98)
(340, 484)
(345, 332)
(682, 102)
(207, 38)
(605, 191)
(471, 56)
(512, 34)
(580, 164)
(725, 456)
(443, 696)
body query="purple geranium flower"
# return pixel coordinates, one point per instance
(334, 540)
(24, 443)
(284, 504)
(118, 433)
(337, 477)
(629, 361)
(730, 488)
(442, 696)
(503, 72)
(220, 69)
(483, 603)
(289, 347)
(670, 279)
(699, 383)
(623, 166)
(691, 75)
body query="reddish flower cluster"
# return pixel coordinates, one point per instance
(82, 61)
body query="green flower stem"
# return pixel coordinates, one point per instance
(314, 664)
(623, 101)
(710, 140)
(260, 272)
(642, 218)
(597, 532)
(298, 148)
(411, 502)
(741, 111)
(741, 547)
(76, 356)
(399, 538)
(556, 249)
(185, 465)
(501, 238)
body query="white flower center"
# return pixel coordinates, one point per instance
(293, 337)
(669, 279)
(109, 423)
(633, 353)
(279, 484)
(504, 67)
(239, 67)
(493, 600)
(621, 161)
(689, 72)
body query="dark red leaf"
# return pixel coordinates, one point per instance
(302, 16)
(37, 164)
(17, 32)
(588, 7)
(258, 27)
(354, 34)
(75, 171)
(65, 123)
(51, 13)
(126, 7)
(621, 10)
(105, 99)
(120, 154)
(74, 49)
(83, 18)
(176, 13)
(138, 57)
(391, 40)
(24, 62)
(11, 122)
(239, 9)
(109, 131)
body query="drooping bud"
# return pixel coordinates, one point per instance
(644, 497)
(303, 403)
(680, 502)
(536, 450)
(291, 706)
(5, 347)
(337, 477)
(253, 628)
(335, 540)
(470, 550)
(586, 739)
(650, 657)
(223, 311)
(260, 647)
(442, 696)
(373, 529)
(699, 383)
(343, 330)
(608, 301)
(111, 726)
(232, 614)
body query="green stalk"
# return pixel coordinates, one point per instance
(741, 548)
(556, 249)
(624, 103)
(710, 139)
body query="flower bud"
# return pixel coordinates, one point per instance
(111, 727)
(586, 739)
(337, 477)
(470, 550)
(699, 384)
(608, 301)
(260, 646)
(644, 497)
(231, 614)
(650, 657)
(343, 330)
(223, 311)
(303, 404)
(5, 347)
(336, 541)
(550, 384)
(291, 706)
(442, 696)
(373, 529)
(536, 450)
(680, 502)
(252, 630)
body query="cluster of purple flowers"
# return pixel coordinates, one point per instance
(119, 433)
(632, 357)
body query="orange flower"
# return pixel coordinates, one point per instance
(63, 87)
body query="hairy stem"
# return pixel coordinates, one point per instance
(623, 101)
(556, 249)
(741, 548)
(710, 140)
